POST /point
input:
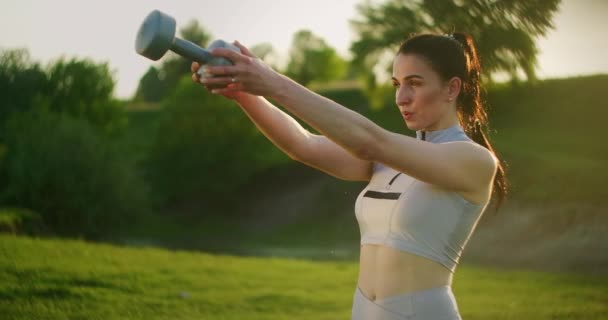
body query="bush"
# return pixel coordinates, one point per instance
(63, 168)
(21, 221)
(205, 147)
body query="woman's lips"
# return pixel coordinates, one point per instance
(407, 115)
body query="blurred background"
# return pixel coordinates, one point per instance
(126, 190)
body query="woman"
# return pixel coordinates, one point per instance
(425, 194)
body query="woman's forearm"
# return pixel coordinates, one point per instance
(280, 128)
(345, 127)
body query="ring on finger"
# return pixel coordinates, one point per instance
(233, 79)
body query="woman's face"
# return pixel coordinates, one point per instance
(422, 97)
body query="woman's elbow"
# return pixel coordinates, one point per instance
(367, 149)
(370, 143)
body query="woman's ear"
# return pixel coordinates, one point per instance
(454, 86)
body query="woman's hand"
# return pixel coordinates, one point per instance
(248, 74)
(234, 95)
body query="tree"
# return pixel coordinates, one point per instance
(21, 82)
(56, 155)
(79, 87)
(311, 58)
(504, 31)
(150, 86)
(157, 83)
(84, 89)
(63, 168)
(204, 148)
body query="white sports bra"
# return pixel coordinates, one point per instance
(399, 211)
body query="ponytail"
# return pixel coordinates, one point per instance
(473, 116)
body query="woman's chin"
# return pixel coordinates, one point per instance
(411, 125)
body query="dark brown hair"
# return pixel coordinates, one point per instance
(455, 55)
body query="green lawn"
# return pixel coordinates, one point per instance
(60, 279)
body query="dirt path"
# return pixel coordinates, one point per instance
(564, 237)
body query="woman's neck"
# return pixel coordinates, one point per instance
(442, 124)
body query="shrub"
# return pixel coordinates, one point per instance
(63, 168)
(21, 221)
(205, 147)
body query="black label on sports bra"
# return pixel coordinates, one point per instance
(382, 195)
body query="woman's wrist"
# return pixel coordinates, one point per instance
(246, 99)
(280, 86)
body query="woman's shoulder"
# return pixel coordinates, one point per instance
(471, 149)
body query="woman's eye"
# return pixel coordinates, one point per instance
(414, 83)
(395, 84)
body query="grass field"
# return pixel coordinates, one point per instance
(61, 279)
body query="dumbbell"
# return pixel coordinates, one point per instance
(156, 36)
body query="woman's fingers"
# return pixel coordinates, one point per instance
(231, 55)
(221, 70)
(244, 49)
(223, 79)
(194, 66)
(218, 80)
(226, 90)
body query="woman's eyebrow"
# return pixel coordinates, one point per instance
(410, 77)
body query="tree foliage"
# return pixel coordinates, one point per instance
(21, 82)
(504, 31)
(79, 87)
(84, 89)
(56, 155)
(60, 166)
(311, 58)
(205, 147)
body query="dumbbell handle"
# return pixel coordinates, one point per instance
(190, 50)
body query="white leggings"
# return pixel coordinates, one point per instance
(436, 304)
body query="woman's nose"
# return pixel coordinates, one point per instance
(403, 97)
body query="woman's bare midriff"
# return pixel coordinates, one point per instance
(385, 272)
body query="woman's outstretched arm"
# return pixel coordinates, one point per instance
(301, 145)
(298, 143)
(470, 167)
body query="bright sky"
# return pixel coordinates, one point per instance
(105, 30)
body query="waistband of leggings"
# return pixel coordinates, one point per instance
(445, 288)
